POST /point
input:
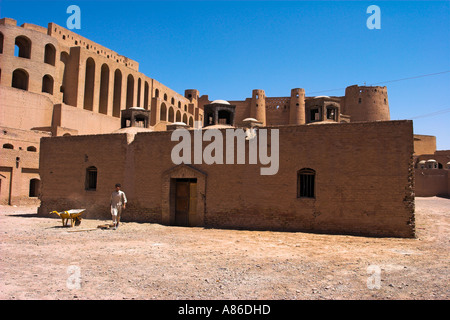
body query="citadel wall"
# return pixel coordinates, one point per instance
(363, 186)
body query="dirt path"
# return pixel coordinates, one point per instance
(39, 259)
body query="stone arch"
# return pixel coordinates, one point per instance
(20, 79)
(64, 58)
(89, 83)
(117, 96)
(146, 93)
(130, 91)
(23, 47)
(49, 54)
(171, 115)
(104, 89)
(163, 112)
(47, 84)
(139, 85)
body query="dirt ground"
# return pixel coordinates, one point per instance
(40, 259)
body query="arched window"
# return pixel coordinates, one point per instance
(165, 97)
(172, 101)
(171, 115)
(306, 183)
(8, 146)
(146, 91)
(156, 93)
(20, 79)
(91, 179)
(179, 104)
(163, 113)
(23, 47)
(185, 120)
(34, 187)
(31, 149)
(178, 118)
(50, 54)
(47, 84)
(1, 42)
(139, 93)
(89, 84)
(64, 58)
(117, 93)
(104, 89)
(191, 122)
(130, 91)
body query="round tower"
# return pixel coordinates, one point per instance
(191, 94)
(366, 103)
(258, 106)
(297, 106)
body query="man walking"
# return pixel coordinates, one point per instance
(118, 202)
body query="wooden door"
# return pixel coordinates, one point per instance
(185, 200)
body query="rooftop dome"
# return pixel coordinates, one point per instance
(136, 108)
(317, 97)
(220, 102)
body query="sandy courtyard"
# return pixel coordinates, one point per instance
(39, 259)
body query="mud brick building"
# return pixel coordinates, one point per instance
(84, 102)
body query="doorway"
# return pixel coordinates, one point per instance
(185, 200)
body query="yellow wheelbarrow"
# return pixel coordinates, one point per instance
(74, 215)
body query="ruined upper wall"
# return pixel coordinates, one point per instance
(72, 39)
(71, 70)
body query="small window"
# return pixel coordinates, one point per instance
(32, 149)
(8, 146)
(306, 183)
(359, 100)
(91, 179)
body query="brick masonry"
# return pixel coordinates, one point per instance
(364, 180)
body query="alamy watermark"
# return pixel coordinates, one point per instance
(374, 279)
(74, 20)
(374, 21)
(235, 147)
(74, 279)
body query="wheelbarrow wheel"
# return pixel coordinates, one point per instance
(77, 221)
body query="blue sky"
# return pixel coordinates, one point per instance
(225, 49)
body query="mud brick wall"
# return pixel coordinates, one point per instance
(364, 180)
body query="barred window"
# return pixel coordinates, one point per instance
(91, 178)
(306, 183)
